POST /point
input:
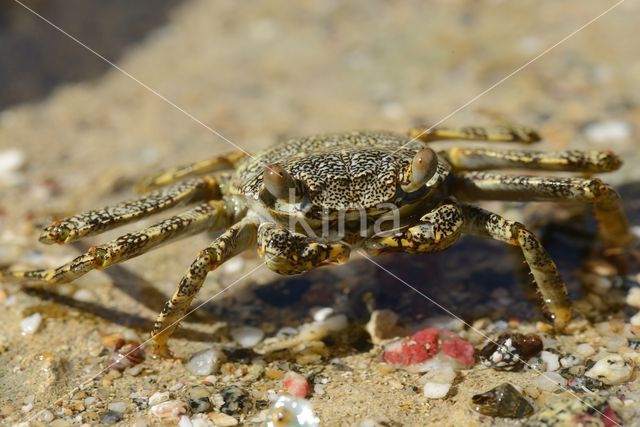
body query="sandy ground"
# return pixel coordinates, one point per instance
(256, 72)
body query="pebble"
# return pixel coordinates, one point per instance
(199, 400)
(84, 295)
(288, 411)
(169, 409)
(435, 390)
(549, 381)
(126, 354)
(381, 325)
(608, 131)
(47, 416)
(427, 343)
(336, 323)
(205, 362)
(295, 384)
(223, 420)
(584, 350)
(321, 313)
(11, 161)
(158, 397)
(117, 406)
(236, 400)
(635, 319)
(633, 297)
(502, 401)
(247, 336)
(552, 360)
(578, 411)
(30, 324)
(611, 370)
(111, 417)
(569, 361)
(509, 351)
(583, 384)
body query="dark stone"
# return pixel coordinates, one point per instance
(503, 401)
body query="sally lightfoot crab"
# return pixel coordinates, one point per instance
(308, 202)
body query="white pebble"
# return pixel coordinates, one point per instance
(47, 416)
(234, 265)
(435, 390)
(569, 361)
(185, 422)
(90, 401)
(11, 160)
(26, 408)
(321, 313)
(30, 325)
(158, 397)
(584, 350)
(223, 420)
(549, 381)
(611, 370)
(169, 409)
(336, 323)
(551, 359)
(608, 131)
(205, 362)
(633, 297)
(442, 374)
(84, 295)
(318, 389)
(247, 336)
(117, 406)
(300, 413)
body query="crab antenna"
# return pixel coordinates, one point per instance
(280, 184)
(423, 166)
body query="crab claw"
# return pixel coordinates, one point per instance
(423, 167)
(281, 184)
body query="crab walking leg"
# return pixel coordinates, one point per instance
(212, 215)
(100, 220)
(466, 159)
(606, 201)
(170, 176)
(544, 271)
(236, 239)
(287, 252)
(477, 133)
(436, 231)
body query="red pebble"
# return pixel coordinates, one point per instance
(408, 353)
(296, 385)
(460, 350)
(610, 418)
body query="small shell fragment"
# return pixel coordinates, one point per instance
(31, 324)
(503, 401)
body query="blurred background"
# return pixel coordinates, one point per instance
(76, 133)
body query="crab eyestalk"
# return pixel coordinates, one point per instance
(423, 167)
(281, 185)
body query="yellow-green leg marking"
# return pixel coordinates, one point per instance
(546, 276)
(213, 215)
(170, 176)
(236, 239)
(468, 159)
(100, 220)
(477, 133)
(606, 201)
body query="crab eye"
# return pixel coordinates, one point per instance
(279, 183)
(423, 167)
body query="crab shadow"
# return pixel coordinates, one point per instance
(475, 278)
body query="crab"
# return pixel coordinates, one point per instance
(309, 202)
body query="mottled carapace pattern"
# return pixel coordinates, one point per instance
(347, 174)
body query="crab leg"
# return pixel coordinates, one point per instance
(170, 176)
(437, 230)
(477, 133)
(606, 201)
(236, 239)
(464, 159)
(100, 220)
(546, 276)
(212, 215)
(287, 252)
